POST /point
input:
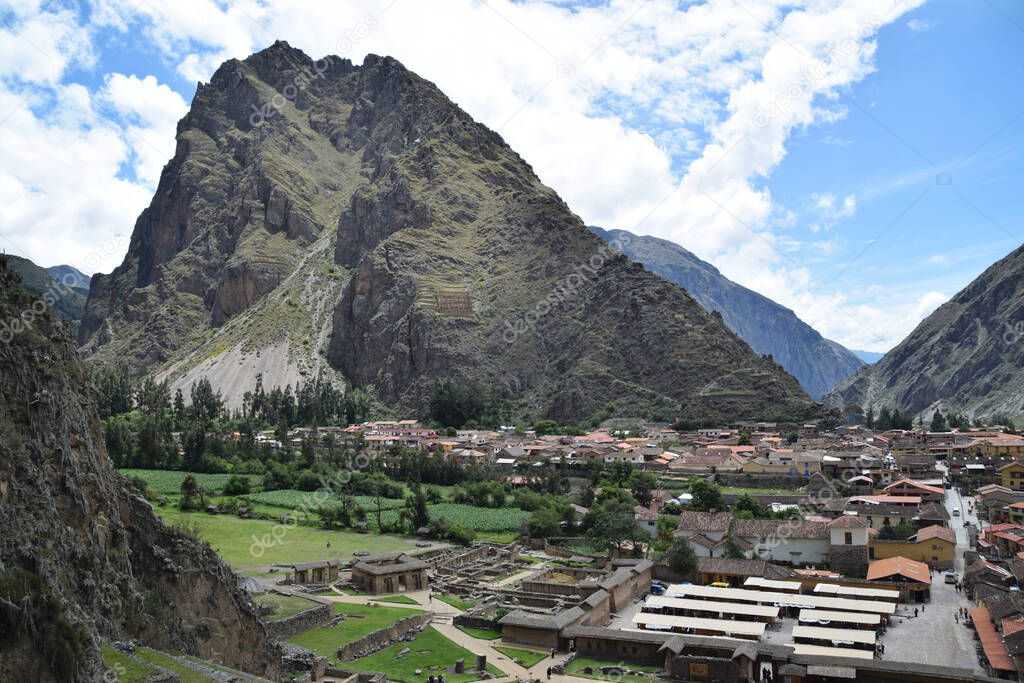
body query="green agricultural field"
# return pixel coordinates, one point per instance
(294, 499)
(284, 605)
(325, 640)
(481, 519)
(167, 482)
(429, 649)
(127, 669)
(247, 543)
(524, 658)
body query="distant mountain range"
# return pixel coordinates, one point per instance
(965, 357)
(372, 231)
(818, 363)
(70, 276)
(868, 356)
(65, 294)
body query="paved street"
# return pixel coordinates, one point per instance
(934, 636)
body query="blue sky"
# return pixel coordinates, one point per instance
(648, 116)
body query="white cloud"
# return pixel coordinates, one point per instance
(920, 25)
(649, 116)
(150, 112)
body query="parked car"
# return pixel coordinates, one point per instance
(956, 512)
(950, 576)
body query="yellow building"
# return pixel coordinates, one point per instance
(1012, 476)
(933, 545)
(1004, 445)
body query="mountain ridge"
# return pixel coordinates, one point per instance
(964, 357)
(399, 239)
(770, 328)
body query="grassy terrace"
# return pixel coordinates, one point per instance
(127, 669)
(430, 652)
(525, 658)
(455, 601)
(252, 543)
(481, 633)
(365, 619)
(577, 666)
(284, 605)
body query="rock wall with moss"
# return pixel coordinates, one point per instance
(83, 558)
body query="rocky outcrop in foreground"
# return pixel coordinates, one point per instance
(83, 557)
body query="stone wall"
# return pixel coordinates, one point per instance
(851, 560)
(298, 623)
(380, 639)
(694, 668)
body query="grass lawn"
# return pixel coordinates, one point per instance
(481, 633)
(400, 599)
(252, 542)
(325, 640)
(185, 674)
(577, 665)
(496, 536)
(455, 601)
(525, 658)
(740, 490)
(284, 605)
(429, 649)
(128, 670)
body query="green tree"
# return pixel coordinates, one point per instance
(732, 549)
(236, 486)
(642, 485)
(192, 495)
(681, 557)
(938, 423)
(544, 522)
(705, 496)
(415, 511)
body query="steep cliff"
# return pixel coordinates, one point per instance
(818, 363)
(967, 356)
(412, 245)
(83, 557)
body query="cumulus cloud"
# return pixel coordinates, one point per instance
(650, 116)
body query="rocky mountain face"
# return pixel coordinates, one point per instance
(83, 557)
(63, 291)
(818, 363)
(327, 216)
(967, 356)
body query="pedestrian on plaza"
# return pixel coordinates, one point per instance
(915, 611)
(549, 673)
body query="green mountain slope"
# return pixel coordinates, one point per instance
(967, 356)
(66, 298)
(818, 363)
(368, 226)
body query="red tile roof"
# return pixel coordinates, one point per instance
(991, 642)
(901, 566)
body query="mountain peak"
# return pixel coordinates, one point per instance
(353, 220)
